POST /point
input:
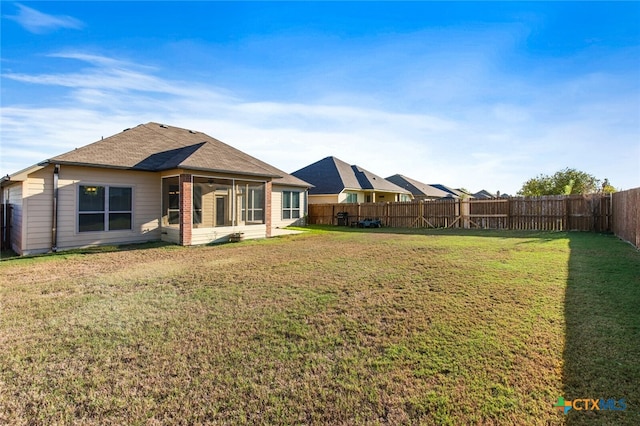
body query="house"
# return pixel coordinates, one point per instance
(484, 195)
(335, 181)
(453, 193)
(420, 191)
(148, 183)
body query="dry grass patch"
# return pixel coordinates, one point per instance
(331, 328)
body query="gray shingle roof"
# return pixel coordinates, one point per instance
(417, 188)
(453, 193)
(483, 194)
(332, 175)
(156, 147)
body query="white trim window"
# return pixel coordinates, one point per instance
(104, 208)
(290, 205)
(352, 197)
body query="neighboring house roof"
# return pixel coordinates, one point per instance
(483, 194)
(418, 189)
(156, 147)
(332, 175)
(465, 192)
(452, 193)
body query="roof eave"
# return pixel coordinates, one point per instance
(297, 185)
(22, 174)
(234, 172)
(199, 169)
(377, 190)
(99, 166)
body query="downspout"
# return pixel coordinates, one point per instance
(54, 227)
(306, 207)
(4, 214)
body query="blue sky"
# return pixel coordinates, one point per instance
(476, 95)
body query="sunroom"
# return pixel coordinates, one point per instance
(201, 209)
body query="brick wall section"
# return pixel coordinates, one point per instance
(267, 207)
(186, 204)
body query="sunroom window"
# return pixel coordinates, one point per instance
(212, 202)
(252, 201)
(171, 201)
(216, 202)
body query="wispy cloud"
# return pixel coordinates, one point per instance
(37, 22)
(494, 146)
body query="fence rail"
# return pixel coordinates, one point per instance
(549, 213)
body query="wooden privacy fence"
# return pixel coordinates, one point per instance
(626, 215)
(553, 213)
(5, 226)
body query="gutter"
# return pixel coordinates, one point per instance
(54, 227)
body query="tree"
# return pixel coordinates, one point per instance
(564, 182)
(607, 188)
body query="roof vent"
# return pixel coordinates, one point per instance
(193, 132)
(128, 128)
(164, 126)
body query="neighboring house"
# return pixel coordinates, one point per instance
(335, 181)
(452, 193)
(148, 183)
(484, 195)
(420, 191)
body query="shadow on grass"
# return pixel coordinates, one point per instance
(11, 256)
(602, 313)
(7, 254)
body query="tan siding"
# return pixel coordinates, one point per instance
(276, 207)
(171, 234)
(324, 199)
(146, 206)
(39, 199)
(208, 208)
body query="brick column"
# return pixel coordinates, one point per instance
(186, 206)
(267, 207)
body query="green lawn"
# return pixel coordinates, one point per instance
(329, 327)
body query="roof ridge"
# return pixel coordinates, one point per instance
(207, 139)
(163, 135)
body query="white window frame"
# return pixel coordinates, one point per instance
(351, 194)
(290, 209)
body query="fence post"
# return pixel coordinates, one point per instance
(386, 221)
(464, 212)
